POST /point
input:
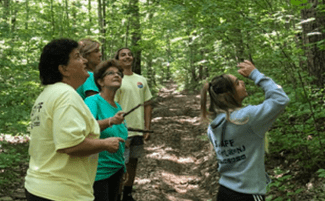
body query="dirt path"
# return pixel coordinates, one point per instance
(177, 162)
(171, 168)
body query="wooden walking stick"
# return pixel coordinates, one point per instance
(131, 110)
(140, 130)
(143, 104)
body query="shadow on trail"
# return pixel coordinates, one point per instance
(171, 168)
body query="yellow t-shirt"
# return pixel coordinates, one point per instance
(60, 119)
(133, 91)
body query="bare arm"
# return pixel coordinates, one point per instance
(105, 123)
(90, 93)
(147, 118)
(92, 146)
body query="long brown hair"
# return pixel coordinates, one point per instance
(222, 98)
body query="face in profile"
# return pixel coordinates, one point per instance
(76, 67)
(240, 88)
(94, 57)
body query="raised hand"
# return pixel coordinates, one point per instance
(246, 68)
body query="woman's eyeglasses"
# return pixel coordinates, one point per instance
(113, 73)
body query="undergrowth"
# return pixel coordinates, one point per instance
(13, 161)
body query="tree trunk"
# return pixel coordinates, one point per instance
(239, 45)
(13, 18)
(27, 14)
(313, 33)
(102, 24)
(150, 71)
(89, 16)
(191, 57)
(127, 32)
(201, 76)
(6, 9)
(52, 18)
(128, 25)
(100, 17)
(136, 35)
(192, 66)
(67, 15)
(104, 31)
(168, 55)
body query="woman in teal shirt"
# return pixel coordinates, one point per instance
(111, 166)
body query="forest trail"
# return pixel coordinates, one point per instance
(177, 158)
(171, 168)
(179, 163)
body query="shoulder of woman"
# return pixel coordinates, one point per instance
(93, 98)
(243, 113)
(62, 91)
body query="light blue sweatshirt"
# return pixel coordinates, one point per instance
(241, 156)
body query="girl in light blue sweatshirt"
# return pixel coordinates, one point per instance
(237, 133)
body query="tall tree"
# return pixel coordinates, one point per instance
(27, 14)
(102, 24)
(6, 13)
(313, 33)
(136, 35)
(89, 17)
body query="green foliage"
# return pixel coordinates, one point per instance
(186, 41)
(282, 182)
(13, 160)
(321, 173)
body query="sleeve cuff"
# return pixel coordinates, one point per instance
(254, 74)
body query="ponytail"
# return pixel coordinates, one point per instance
(222, 99)
(204, 112)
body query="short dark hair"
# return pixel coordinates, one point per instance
(118, 52)
(55, 53)
(102, 67)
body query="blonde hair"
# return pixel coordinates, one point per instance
(222, 99)
(87, 45)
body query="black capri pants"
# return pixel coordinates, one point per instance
(226, 194)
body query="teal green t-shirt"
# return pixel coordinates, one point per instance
(88, 85)
(108, 163)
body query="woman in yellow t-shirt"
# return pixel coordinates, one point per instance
(64, 142)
